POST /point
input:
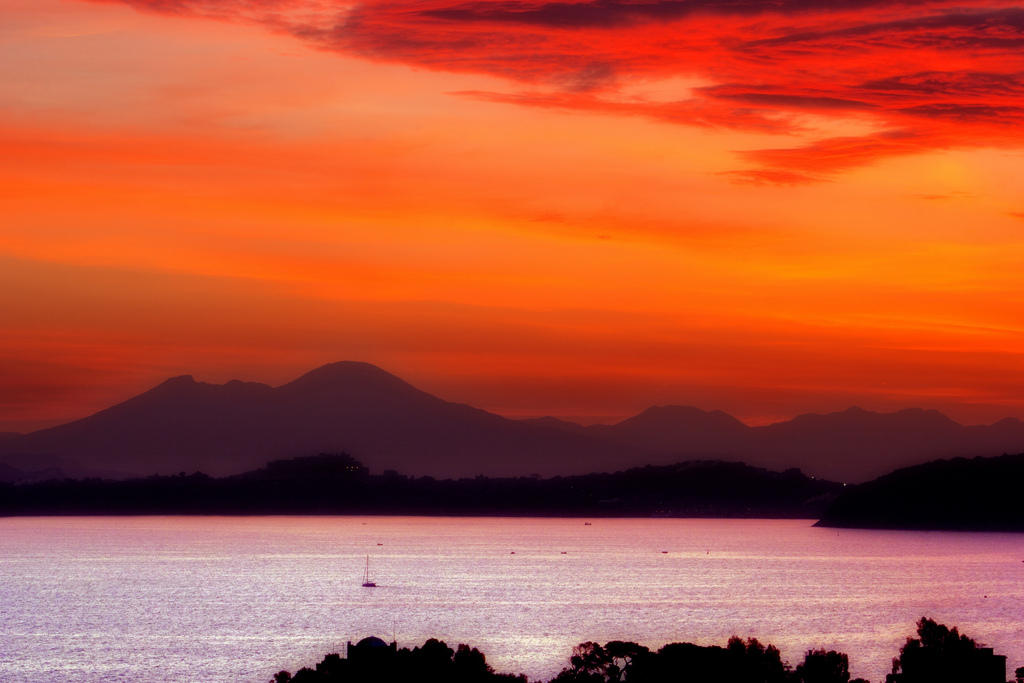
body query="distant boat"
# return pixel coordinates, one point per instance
(586, 523)
(366, 576)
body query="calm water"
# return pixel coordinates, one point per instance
(237, 599)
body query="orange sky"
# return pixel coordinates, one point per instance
(569, 208)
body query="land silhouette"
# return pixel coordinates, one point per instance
(938, 655)
(976, 494)
(339, 484)
(222, 430)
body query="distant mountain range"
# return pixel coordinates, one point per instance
(850, 446)
(184, 425)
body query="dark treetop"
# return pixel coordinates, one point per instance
(937, 655)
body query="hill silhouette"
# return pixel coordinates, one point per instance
(976, 494)
(223, 429)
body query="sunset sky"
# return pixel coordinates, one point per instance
(570, 208)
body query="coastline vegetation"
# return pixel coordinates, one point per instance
(937, 655)
(977, 494)
(338, 484)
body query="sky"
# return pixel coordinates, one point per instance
(579, 209)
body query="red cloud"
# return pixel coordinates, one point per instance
(929, 74)
(822, 159)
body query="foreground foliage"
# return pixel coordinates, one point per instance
(937, 654)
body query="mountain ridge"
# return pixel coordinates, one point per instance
(222, 429)
(853, 445)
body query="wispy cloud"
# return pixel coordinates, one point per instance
(615, 13)
(924, 74)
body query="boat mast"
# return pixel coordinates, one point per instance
(366, 575)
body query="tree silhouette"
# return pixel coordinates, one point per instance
(820, 666)
(613, 662)
(469, 665)
(943, 655)
(938, 655)
(752, 662)
(935, 638)
(621, 656)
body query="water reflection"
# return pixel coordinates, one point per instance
(159, 599)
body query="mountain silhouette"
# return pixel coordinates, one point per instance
(223, 429)
(184, 425)
(852, 446)
(856, 444)
(680, 429)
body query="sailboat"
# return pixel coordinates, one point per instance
(366, 576)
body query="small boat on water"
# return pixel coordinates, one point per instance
(366, 575)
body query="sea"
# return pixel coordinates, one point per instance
(237, 599)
